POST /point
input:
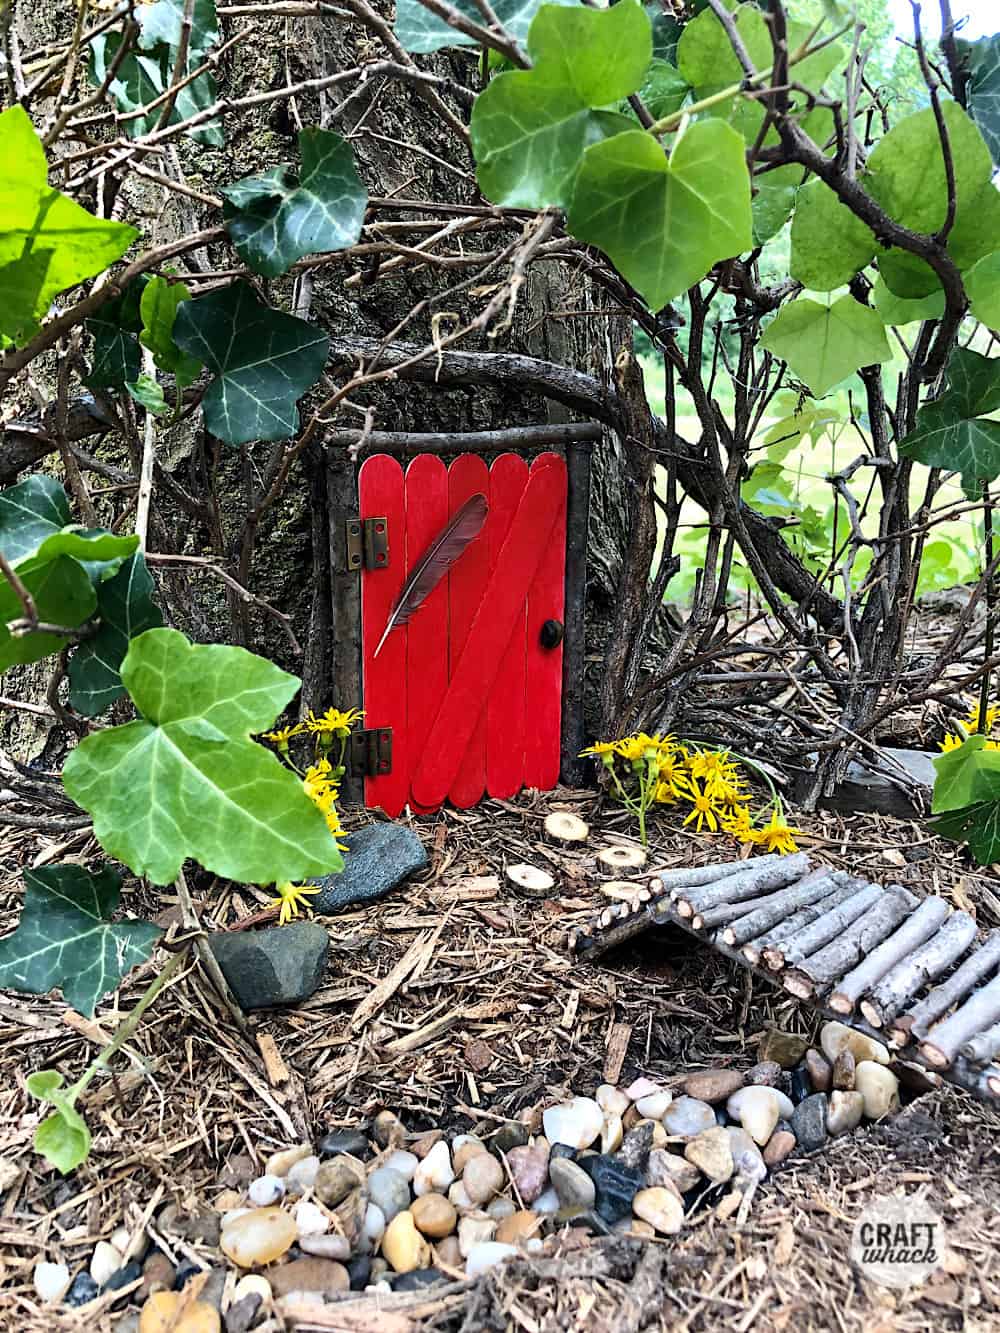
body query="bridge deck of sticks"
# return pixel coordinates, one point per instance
(914, 973)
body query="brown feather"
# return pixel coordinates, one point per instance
(442, 553)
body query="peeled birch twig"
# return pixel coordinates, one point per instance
(821, 969)
(843, 887)
(979, 1012)
(976, 967)
(981, 1049)
(911, 974)
(824, 929)
(689, 877)
(774, 909)
(915, 930)
(748, 883)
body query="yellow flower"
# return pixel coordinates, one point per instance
(951, 742)
(725, 788)
(738, 824)
(333, 722)
(704, 811)
(601, 748)
(992, 713)
(665, 794)
(776, 836)
(290, 897)
(706, 763)
(284, 735)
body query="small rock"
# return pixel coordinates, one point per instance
(809, 1122)
(417, 1279)
(631, 1117)
(238, 1172)
(280, 1163)
(835, 1036)
(374, 1224)
(473, 1231)
(326, 1247)
(819, 1071)
(310, 1220)
(510, 1135)
(529, 1168)
(312, 1274)
(160, 1315)
(435, 1173)
(687, 1116)
(227, 1201)
(463, 1154)
(748, 1164)
(266, 1190)
(242, 1314)
(105, 1261)
(572, 1184)
(661, 1208)
(404, 1162)
(666, 1168)
(616, 1185)
(611, 1100)
(501, 1208)
(185, 1272)
(843, 1071)
(252, 1284)
(641, 1087)
(547, 1201)
(637, 1145)
(459, 1196)
(279, 965)
(123, 1277)
(779, 1146)
(359, 1270)
(654, 1106)
(482, 1177)
(635, 1226)
(351, 1142)
(388, 1130)
(403, 1245)
(801, 1085)
(766, 1074)
(379, 857)
(518, 1227)
(612, 1133)
(302, 1176)
(389, 1190)
(423, 1143)
(711, 1153)
(158, 1274)
(879, 1087)
(82, 1290)
(447, 1253)
(757, 1110)
(577, 1122)
(844, 1111)
(337, 1177)
(713, 1085)
(258, 1237)
(215, 1285)
(434, 1215)
(486, 1255)
(785, 1048)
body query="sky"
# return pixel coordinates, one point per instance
(983, 17)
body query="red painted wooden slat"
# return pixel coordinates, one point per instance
(463, 708)
(467, 476)
(546, 601)
(380, 493)
(427, 633)
(505, 706)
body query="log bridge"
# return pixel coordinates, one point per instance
(912, 973)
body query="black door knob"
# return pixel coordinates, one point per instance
(552, 634)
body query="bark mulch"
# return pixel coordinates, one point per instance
(454, 1003)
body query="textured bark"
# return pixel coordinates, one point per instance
(976, 968)
(814, 887)
(980, 1011)
(913, 973)
(915, 931)
(826, 927)
(756, 879)
(820, 969)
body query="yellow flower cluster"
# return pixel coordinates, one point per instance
(660, 770)
(970, 725)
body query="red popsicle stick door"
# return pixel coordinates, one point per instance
(472, 686)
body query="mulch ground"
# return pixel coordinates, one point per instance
(454, 1002)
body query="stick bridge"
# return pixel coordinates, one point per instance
(913, 973)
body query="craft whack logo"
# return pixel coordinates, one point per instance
(898, 1242)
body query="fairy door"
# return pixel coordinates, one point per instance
(461, 626)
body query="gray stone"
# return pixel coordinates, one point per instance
(882, 788)
(574, 1187)
(264, 968)
(389, 1191)
(809, 1122)
(379, 856)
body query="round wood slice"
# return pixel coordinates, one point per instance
(561, 826)
(623, 891)
(530, 879)
(622, 858)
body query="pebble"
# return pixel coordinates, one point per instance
(547, 1201)
(661, 1208)
(748, 1163)
(387, 1129)
(785, 1048)
(713, 1085)
(242, 1314)
(423, 1143)
(780, 1145)
(834, 1037)
(201, 1225)
(818, 1069)
(809, 1122)
(123, 1277)
(757, 1110)
(616, 1185)
(326, 1247)
(572, 1184)
(434, 1215)
(312, 1274)
(404, 1246)
(302, 1176)
(801, 1085)
(844, 1111)
(510, 1135)
(612, 1132)
(373, 1228)
(518, 1227)
(654, 1106)
(473, 1231)
(105, 1261)
(459, 1196)
(635, 1226)
(238, 1172)
(611, 1100)
(577, 1122)
(447, 1253)
(418, 1278)
(227, 1201)
(253, 1284)
(353, 1142)
(843, 1071)
(666, 1168)
(641, 1087)
(487, 1255)
(765, 1074)
(158, 1274)
(687, 1116)
(258, 1237)
(435, 1173)
(82, 1290)
(359, 1270)
(711, 1153)
(266, 1190)
(879, 1088)
(337, 1177)
(160, 1314)
(501, 1208)
(389, 1190)
(121, 1239)
(638, 1143)
(310, 1220)
(404, 1162)
(529, 1167)
(280, 1163)
(482, 1177)
(185, 1272)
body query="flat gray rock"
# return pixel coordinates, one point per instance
(872, 789)
(378, 857)
(278, 966)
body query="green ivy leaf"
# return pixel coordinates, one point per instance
(162, 23)
(664, 224)
(824, 344)
(664, 89)
(186, 780)
(829, 244)
(47, 242)
(421, 31)
(263, 361)
(63, 594)
(982, 284)
(66, 937)
(158, 311)
(126, 609)
(29, 512)
(62, 1138)
(977, 825)
(952, 431)
(966, 776)
(898, 311)
(774, 195)
(983, 63)
(666, 32)
(148, 393)
(530, 127)
(275, 219)
(705, 55)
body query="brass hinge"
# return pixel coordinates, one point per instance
(371, 752)
(367, 543)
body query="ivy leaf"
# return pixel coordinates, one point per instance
(163, 21)
(47, 242)
(664, 224)
(664, 89)
(666, 32)
(983, 63)
(774, 195)
(148, 393)
(275, 219)
(966, 776)
(977, 825)
(63, 595)
(185, 780)
(126, 609)
(29, 512)
(66, 937)
(63, 1137)
(824, 344)
(898, 311)
(421, 31)
(982, 284)
(829, 244)
(263, 361)
(158, 311)
(530, 127)
(952, 432)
